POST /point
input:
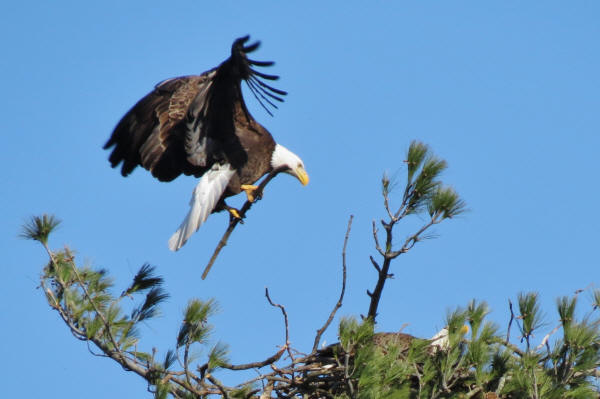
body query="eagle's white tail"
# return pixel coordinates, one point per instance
(204, 199)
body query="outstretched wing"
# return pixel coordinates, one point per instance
(149, 134)
(187, 124)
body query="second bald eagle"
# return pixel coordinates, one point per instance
(199, 125)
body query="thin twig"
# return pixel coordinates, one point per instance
(376, 238)
(547, 337)
(375, 264)
(285, 319)
(385, 185)
(403, 209)
(234, 222)
(412, 240)
(512, 317)
(255, 365)
(339, 302)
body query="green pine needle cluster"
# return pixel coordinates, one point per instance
(39, 228)
(531, 316)
(195, 327)
(144, 279)
(423, 188)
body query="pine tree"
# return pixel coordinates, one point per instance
(467, 359)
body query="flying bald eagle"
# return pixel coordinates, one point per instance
(199, 125)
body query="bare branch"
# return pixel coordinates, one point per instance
(512, 317)
(339, 302)
(375, 264)
(234, 222)
(254, 365)
(413, 239)
(547, 336)
(376, 238)
(386, 199)
(285, 319)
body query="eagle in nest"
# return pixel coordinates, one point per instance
(199, 125)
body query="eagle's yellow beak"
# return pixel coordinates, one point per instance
(301, 175)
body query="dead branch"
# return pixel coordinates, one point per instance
(234, 222)
(547, 337)
(339, 302)
(512, 317)
(376, 238)
(285, 319)
(255, 365)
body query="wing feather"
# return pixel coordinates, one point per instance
(243, 66)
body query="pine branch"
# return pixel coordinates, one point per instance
(423, 190)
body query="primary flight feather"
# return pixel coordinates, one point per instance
(199, 125)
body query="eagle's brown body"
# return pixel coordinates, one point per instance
(258, 148)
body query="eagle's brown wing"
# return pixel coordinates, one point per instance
(152, 134)
(187, 124)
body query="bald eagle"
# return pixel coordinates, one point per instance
(199, 125)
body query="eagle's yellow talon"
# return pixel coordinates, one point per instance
(249, 189)
(234, 213)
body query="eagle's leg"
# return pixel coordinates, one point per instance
(251, 193)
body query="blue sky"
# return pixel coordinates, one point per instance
(506, 92)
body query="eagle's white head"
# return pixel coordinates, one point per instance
(288, 162)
